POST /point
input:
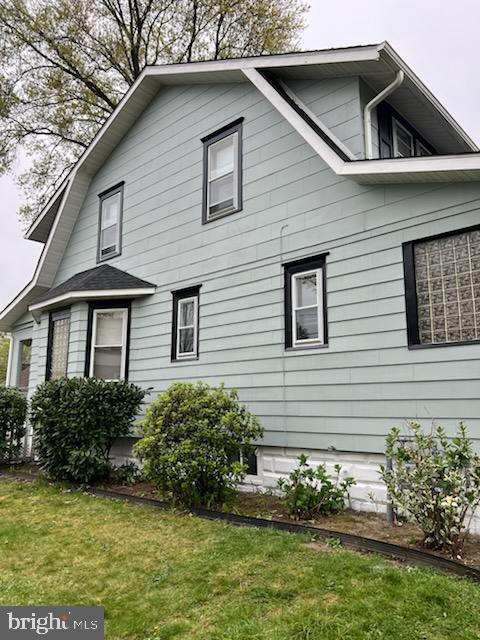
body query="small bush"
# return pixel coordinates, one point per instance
(192, 435)
(13, 412)
(75, 422)
(309, 493)
(126, 474)
(435, 482)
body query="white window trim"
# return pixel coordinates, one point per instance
(116, 193)
(306, 341)
(123, 346)
(397, 125)
(419, 145)
(234, 173)
(190, 354)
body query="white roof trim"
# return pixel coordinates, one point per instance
(297, 122)
(73, 296)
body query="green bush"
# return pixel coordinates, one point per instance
(126, 474)
(192, 437)
(13, 412)
(310, 492)
(75, 422)
(434, 482)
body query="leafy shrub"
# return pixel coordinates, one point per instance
(191, 436)
(309, 493)
(13, 412)
(75, 422)
(435, 482)
(126, 474)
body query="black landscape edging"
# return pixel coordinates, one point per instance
(349, 540)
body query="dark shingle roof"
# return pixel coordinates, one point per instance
(99, 278)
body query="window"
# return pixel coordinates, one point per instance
(305, 308)
(403, 146)
(222, 172)
(396, 137)
(58, 339)
(24, 364)
(442, 289)
(185, 324)
(110, 223)
(107, 345)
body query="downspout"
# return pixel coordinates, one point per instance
(367, 112)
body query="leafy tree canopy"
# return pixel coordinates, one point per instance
(65, 64)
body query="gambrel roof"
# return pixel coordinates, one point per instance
(377, 64)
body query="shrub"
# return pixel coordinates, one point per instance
(13, 412)
(309, 493)
(434, 482)
(126, 474)
(192, 437)
(75, 422)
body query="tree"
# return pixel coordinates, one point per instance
(4, 347)
(65, 64)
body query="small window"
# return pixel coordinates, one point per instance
(403, 146)
(24, 364)
(421, 149)
(108, 343)
(110, 223)
(442, 289)
(58, 339)
(185, 324)
(222, 188)
(305, 309)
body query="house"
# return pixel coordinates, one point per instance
(303, 227)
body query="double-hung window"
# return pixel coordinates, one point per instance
(305, 308)
(222, 172)
(185, 324)
(403, 142)
(108, 342)
(442, 289)
(110, 223)
(58, 341)
(23, 377)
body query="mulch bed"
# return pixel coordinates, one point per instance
(264, 505)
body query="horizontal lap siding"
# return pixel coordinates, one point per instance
(346, 396)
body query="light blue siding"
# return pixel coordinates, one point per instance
(346, 395)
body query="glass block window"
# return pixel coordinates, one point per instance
(185, 324)
(58, 340)
(447, 287)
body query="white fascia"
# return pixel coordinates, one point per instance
(298, 123)
(103, 294)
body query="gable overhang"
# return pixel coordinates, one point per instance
(376, 63)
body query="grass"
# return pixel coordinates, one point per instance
(166, 575)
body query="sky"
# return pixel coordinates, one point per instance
(438, 39)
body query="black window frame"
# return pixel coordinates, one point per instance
(56, 314)
(107, 304)
(411, 302)
(181, 294)
(290, 269)
(111, 191)
(385, 116)
(234, 127)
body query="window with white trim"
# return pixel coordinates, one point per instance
(403, 142)
(58, 343)
(185, 324)
(222, 172)
(305, 312)
(109, 231)
(108, 351)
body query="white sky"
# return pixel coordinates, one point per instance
(437, 38)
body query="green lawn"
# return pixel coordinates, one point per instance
(163, 575)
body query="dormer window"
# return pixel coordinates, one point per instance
(110, 223)
(397, 138)
(222, 172)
